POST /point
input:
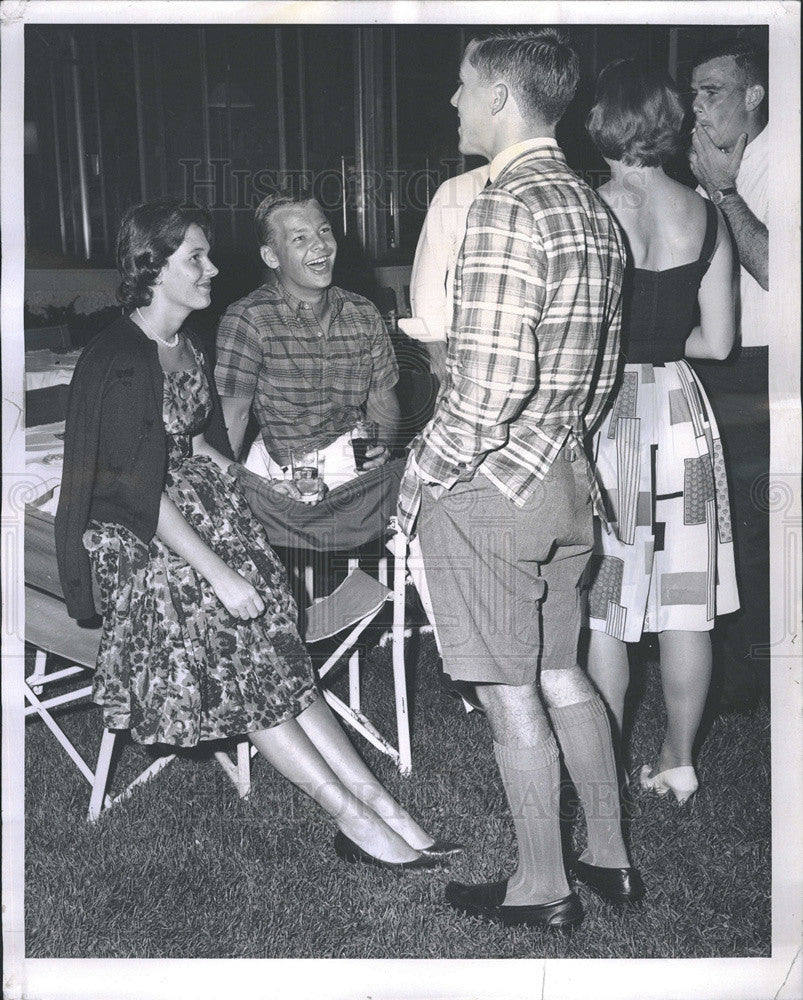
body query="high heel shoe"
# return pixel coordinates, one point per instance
(681, 781)
(441, 849)
(351, 852)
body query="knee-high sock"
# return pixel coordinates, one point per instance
(584, 734)
(531, 776)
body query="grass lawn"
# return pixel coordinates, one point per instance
(184, 869)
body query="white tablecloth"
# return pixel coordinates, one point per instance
(44, 368)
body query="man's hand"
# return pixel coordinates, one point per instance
(287, 488)
(376, 455)
(409, 499)
(713, 168)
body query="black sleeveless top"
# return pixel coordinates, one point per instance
(659, 306)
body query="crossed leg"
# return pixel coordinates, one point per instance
(336, 780)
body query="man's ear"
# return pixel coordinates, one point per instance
(268, 256)
(499, 97)
(754, 96)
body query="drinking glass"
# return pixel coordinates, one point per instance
(362, 437)
(307, 470)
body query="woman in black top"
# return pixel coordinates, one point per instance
(199, 628)
(667, 566)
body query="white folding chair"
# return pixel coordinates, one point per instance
(49, 629)
(353, 606)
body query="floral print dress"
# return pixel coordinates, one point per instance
(174, 667)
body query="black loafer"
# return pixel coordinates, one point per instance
(616, 885)
(441, 849)
(486, 901)
(353, 853)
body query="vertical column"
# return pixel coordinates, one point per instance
(672, 67)
(57, 154)
(280, 102)
(302, 103)
(205, 100)
(160, 116)
(80, 150)
(395, 206)
(143, 166)
(370, 142)
(104, 214)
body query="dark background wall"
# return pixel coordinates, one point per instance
(119, 113)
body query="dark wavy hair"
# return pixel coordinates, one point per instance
(149, 234)
(750, 56)
(541, 68)
(637, 114)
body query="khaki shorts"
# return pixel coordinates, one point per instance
(503, 579)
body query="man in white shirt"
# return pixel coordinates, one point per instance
(432, 279)
(729, 157)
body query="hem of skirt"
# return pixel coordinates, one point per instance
(115, 724)
(599, 625)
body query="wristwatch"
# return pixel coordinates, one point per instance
(721, 193)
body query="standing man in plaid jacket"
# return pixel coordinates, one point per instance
(498, 484)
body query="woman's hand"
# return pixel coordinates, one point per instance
(237, 595)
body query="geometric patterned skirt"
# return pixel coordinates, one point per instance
(667, 562)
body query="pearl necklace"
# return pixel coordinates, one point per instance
(169, 344)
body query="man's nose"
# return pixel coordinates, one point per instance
(453, 100)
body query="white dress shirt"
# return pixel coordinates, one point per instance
(432, 279)
(752, 185)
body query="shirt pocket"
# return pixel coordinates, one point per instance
(348, 375)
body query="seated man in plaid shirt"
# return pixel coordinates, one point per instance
(311, 358)
(503, 484)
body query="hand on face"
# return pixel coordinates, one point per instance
(725, 111)
(714, 168)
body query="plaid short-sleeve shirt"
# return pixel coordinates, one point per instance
(534, 345)
(307, 385)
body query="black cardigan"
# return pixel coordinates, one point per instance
(115, 449)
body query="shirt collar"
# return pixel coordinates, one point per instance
(545, 145)
(759, 145)
(333, 297)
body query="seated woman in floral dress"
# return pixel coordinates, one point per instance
(199, 628)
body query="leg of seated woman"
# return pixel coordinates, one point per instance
(685, 676)
(288, 748)
(336, 748)
(609, 669)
